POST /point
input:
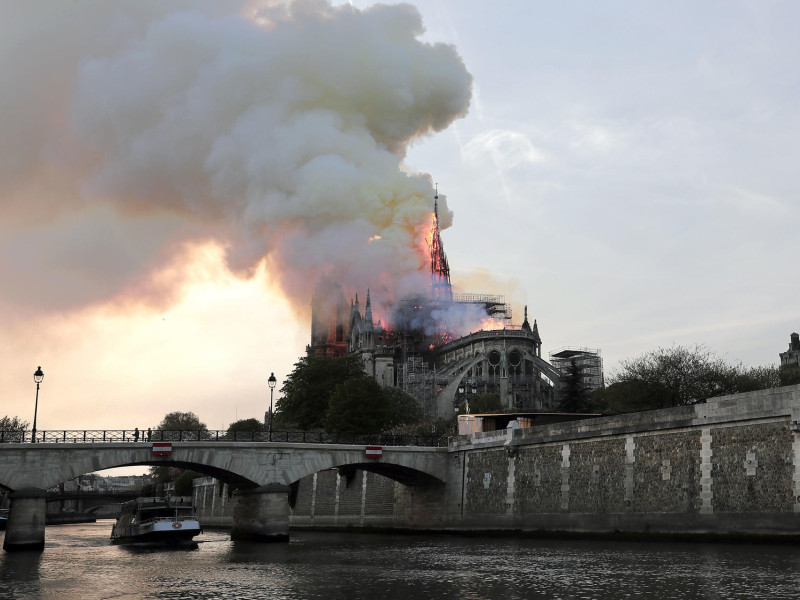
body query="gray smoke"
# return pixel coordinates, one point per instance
(133, 131)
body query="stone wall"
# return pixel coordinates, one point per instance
(213, 501)
(729, 466)
(354, 498)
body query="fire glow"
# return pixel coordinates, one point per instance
(492, 324)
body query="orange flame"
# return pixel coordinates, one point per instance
(492, 324)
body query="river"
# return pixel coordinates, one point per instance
(79, 562)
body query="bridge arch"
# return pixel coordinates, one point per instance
(240, 464)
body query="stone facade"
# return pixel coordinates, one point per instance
(730, 466)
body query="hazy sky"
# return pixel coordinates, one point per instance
(171, 173)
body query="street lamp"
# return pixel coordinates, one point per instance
(460, 398)
(37, 377)
(271, 381)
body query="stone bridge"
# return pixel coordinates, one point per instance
(261, 473)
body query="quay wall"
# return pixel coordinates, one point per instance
(730, 466)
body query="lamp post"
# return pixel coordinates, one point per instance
(460, 399)
(37, 377)
(271, 381)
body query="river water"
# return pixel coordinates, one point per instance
(79, 562)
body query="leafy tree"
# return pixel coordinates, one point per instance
(789, 375)
(246, 425)
(358, 405)
(629, 396)
(573, 394)
(440, 428)
(681, 376)
(685, 375)
(175, 421)
(308, 388)
(181, 421)
(12, 424)
(403, 407)
(183, 482)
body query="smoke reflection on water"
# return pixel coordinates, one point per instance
(80, 562)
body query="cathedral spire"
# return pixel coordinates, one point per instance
(525, 325)
(368, 310)
(440, 269)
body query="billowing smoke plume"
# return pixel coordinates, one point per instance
(276, 130)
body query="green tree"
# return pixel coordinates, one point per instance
(358, 405)
(681, 376)
(789, 375)
(12, 424)
(308, 388)
(181, 421)
(685, 375)
(183, 482)
(629, 396)
(573, 394)
(175, 421)
(246, 425)
(243, 427)
(403, 408)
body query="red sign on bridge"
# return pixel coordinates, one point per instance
(373, 451)
(162, 448)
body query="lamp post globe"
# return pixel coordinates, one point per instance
(37, 377)
(271, 382)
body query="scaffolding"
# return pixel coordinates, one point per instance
(419, 381)
(495, 305)
(587, 360)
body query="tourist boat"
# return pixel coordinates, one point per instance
(151, 519)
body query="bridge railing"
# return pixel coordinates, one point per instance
(75, 436)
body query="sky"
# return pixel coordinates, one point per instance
(175, 177)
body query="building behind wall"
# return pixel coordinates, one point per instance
(791, 358)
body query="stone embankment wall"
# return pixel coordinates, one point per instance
(728, 466)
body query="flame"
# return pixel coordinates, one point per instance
(492, 324)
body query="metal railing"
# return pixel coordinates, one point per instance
(80, 436)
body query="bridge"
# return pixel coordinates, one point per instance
(260, 471)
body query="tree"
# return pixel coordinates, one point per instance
(183, 482)
(308, 389)
(175, 421)
(403, 407)
(629, 396)
(358, 405)
(573, 394)
(681, 376)
(789, 375)
(240, 429)
(685, 375)
(12, 424)
(181, 421)
(246, 425)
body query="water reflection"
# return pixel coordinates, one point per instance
(79, 561)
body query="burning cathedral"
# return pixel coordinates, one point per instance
(439, 346)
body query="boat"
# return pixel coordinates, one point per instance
(168, 519)
(3, 518)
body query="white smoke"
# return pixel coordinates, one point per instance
(276, 130)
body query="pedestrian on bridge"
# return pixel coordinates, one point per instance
(136, 435)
